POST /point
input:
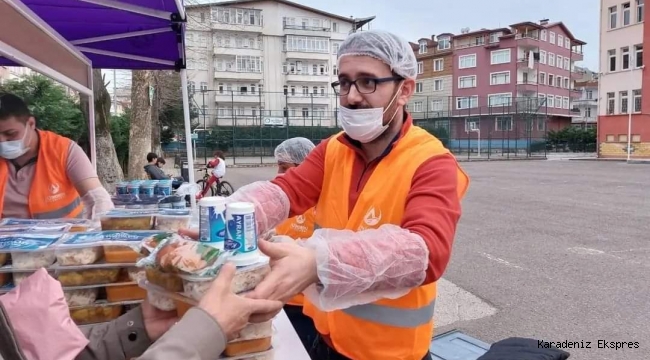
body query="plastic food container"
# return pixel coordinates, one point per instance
(81, 297)
(121, 188)
(173, 220)
(164, 187)
(147, 189)
(5, 278)
(88, 277)
(3, 259)
(18, 277)
(127, 220)
(247, 347)
(29, 251)
(169, 282)
(136, 274)
(95, 314)
(125, 293)
(120, 254)
(160, 301)
(87, 248)
(255, 331)
(133, 188)
(83, 256)
(245, 279)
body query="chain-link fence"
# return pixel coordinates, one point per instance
(249, 125)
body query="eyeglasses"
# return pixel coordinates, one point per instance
(364, 85)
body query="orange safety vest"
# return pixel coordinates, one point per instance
(395, 329)
(52, 195)
(297, 227)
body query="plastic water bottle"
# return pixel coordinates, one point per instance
(241, 233)
(212, 222)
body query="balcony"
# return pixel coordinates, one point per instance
(584, 120)
(304, 30)
(523, 63)
(308, 78)
(575, 94)
(238, 75)
(324, 56)
(577, 74)
(585, 102)
(527, 86)
(235, 51)
(237, 97)
(307, 99)
(527, 40)
(216, 25)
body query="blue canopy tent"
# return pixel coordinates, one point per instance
(65, 39)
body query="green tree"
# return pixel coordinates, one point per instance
(53, 109)
(120, 126)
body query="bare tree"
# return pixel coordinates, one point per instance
(155, 112)
(140, 133)
(167, 94)
(109, 170)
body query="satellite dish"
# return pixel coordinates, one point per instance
(464, 30)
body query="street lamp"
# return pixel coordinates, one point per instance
(629, 112)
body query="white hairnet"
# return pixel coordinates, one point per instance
(294, 150)
(393, 50)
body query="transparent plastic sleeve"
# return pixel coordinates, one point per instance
(271, 203)
(361, 267)
(96, 201)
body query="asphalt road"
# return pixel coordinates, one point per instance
(560, 250)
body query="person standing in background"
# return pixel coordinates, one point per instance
(44, 175)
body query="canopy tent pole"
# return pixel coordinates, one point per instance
(188, 133)
(91, 121)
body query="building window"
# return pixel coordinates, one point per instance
(541, 99)
(444, 43)
(472, 123)
(438, 64)
(636, 138)
(500, 78)
(467, 61)
(560, 40)
(625, 58)
(543, 35)
(307, 44)
(423, 47)
(639, 10)
(335, 48)
(551, 37)
(417, 106)
(503, 123)
(335, 70)
(566, 83)
(437, 85)
(627, 16)
(610, 138)
(565, 102)
(551, 59)
(589, 94)
(494, 37)
(420, 67)
(542, 78)
(550, 80)
(418, 87)
(588, 112)
(613, 15)
(466, 102)
(612, 60)
(550, 101)
(567, 64)
(637, 101)
(611, 103)
(467, 81)
(567, 43)
(542, 57)
(436, 105)
(204, 86)
(499, 100)
(500, 57)
(560, 61)
(558, 81)
(541, 124)
(638, 51)
(622, 138)
(558, 102)
(623, 102)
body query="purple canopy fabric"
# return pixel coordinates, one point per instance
(101, 32)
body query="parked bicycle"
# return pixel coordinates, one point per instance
(213, 186)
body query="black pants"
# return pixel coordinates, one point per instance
(321, 351)
(303, 325)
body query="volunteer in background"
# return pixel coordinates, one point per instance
(43, 175)
(387, 196)
(289, 154)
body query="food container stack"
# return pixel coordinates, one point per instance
(179, 271)
(21, 254)
(146, 219)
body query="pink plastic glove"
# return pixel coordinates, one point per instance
(41, 319)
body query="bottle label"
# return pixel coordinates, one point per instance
(241, 236)
(212, 227)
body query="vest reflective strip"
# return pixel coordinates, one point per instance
(60, 212)
(390, 316)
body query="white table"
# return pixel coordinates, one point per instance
(286, 343)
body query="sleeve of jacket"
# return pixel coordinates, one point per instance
(196, 337)
(121, 339)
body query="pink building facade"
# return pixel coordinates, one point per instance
(515, 80)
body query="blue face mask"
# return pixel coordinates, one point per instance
(14, 149)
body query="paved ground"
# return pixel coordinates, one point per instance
(555, 250)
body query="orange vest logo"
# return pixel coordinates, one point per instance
(298, 224)
(371, 219)
(56, 195)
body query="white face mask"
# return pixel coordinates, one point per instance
(14, 149)
(365, 125)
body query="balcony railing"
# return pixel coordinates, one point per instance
(305, 27)
(526, 36)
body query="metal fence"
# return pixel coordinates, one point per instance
(248, 126)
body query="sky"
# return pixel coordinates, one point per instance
(414, 19)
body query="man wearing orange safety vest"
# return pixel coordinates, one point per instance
(43, 175)
(289, 154)
(387, 196)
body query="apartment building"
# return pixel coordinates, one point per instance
(433, 88)
(13, 72)
(507, 80)
(587, 104)
(624, 83)
(265, 61)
